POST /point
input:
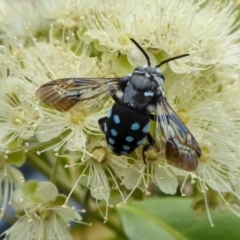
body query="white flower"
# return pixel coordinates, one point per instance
(41, 213)
(219, 165)
(157, 171)
(165, 179)
(10, 177)
(101, 171)
(71, 126)
(19, 21)
(46, 62)
(202, 28)
(212, 115)
(24, 22)
(113, 23)
(208, 104)
(19, 114)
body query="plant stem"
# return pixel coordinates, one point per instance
(38, 163)
(54, 170)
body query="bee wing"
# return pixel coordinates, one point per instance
(66, 92)
(182, 148)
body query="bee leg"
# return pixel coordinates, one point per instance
(102, 124)
(148, 146)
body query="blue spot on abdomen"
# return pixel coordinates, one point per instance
(116, 119)
(114, 132)
(129, 138)
(135, 126)
(126, 147)
(111, 141)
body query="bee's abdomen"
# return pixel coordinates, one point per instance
(125, 129)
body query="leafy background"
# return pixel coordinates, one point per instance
(165, 218)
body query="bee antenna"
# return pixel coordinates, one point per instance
(172, 58)
(142, 50)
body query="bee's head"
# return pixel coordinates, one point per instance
(144, 86)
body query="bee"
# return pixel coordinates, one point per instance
(138, 98)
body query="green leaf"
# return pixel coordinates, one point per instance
(176, 213)
(140, 225)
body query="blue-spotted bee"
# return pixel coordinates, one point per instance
(139, 97)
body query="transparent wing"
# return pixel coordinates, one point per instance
(182, 148)
(66, 92)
